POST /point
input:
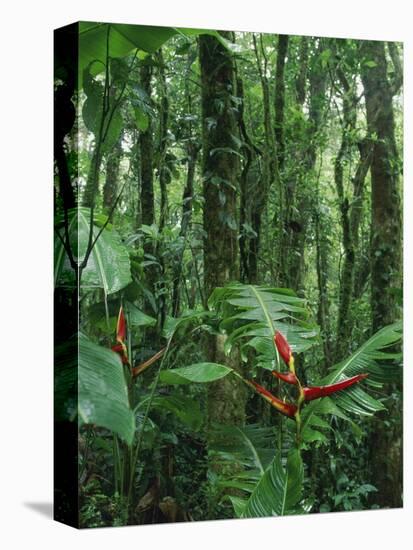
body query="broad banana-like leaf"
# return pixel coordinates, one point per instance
(374, 358)
(279, 490)
(90, 386)
(252, 314)
(242, 450)
(199, 372)
(108, 266)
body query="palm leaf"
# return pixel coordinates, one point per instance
(252, 314)
(376, 357)
(245, 459)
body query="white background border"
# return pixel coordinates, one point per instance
(26, 269)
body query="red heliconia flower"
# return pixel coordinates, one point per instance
(323, 391)
(288, 377)
(121, 327)
(287, 409)
(283, 347)
(119, 349)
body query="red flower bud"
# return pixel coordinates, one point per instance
(322, 391)
(121, 327)
(283, 347)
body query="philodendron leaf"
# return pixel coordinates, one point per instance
(108, 266)
(199, 372)
(97, 40)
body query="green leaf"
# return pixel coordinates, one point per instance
(141, 119)
(91, 386)
(376, 357)
(138, 318)
(199, 372)
(108, 266)
(279, 490)
(123, 39)
(184, 408)
(252, 314)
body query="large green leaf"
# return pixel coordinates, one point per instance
(244, 451)
(186, 409)
(90, 385)
(124, 39)
(108, 266)
(109, 129)
(199, 372)
(252, 314)
(376, 357)
(279, 490)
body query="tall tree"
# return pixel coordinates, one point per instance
(226, 399)
(385, 242)
(110, 188)
(146, 152)
(386, 212)
(351, 207)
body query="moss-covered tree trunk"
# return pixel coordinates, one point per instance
(386, 456)
(226, 398)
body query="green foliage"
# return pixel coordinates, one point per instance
(251, 315)
(103, 395)
(91, 388)
(150, 432)
(279, 490)
(379, 358)
(200, 372)
(108, 266)
(96, 40)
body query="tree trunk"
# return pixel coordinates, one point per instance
(386, 458)
(386, 213)
(350, 213)
(279, 100)
(146, 180)
(110, 188)
(192, 151)
(226, 398)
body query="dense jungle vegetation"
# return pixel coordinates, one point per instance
(228, 230)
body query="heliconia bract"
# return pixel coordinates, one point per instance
(323, 391)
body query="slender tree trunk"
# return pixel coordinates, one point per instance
(288, 224)
(350, 212)
(192, 151)
(163, 181)
(146, 179)
(163, 143)
(279, 101)
(300, 201)
(251, 185)
(322, 266)
(110, 188)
